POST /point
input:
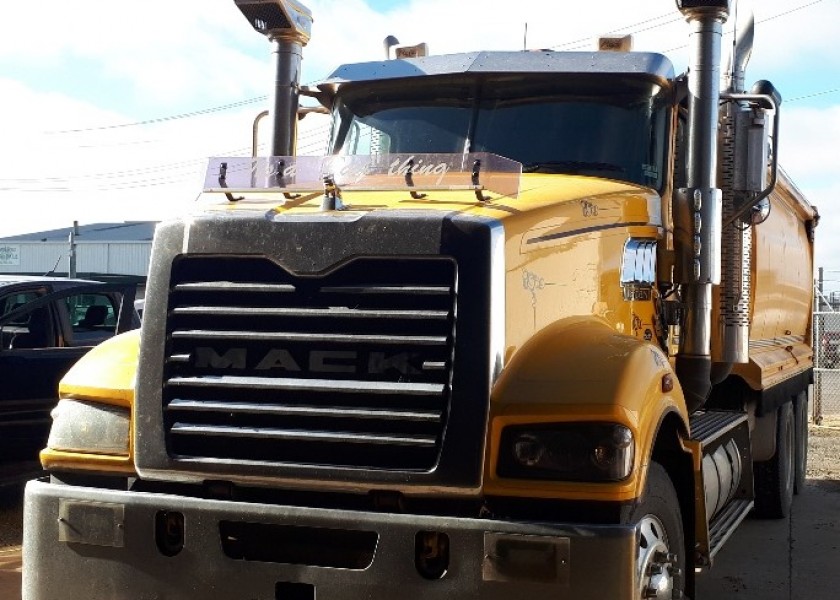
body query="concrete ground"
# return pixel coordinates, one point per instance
(797, 558)
(10, 569)
(789, 559)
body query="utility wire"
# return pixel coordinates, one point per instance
(307, 142)
(766, 19)
(574, 43)
(588, 40)
(248, 101)
(814, 95)
(195, 113)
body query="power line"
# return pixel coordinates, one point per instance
(307, 142)
(814, 95)
(669, 16)
(574, 43)
(248, 101)
(195, 113)
(765, 20)
(792, 10)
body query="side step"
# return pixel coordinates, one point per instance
(725, 523)
(710, 425)
(723, 484)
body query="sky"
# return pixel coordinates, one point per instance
(111, 109)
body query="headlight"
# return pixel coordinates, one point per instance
(90, 428)
(567, 452)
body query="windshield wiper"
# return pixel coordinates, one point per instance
(569, 166)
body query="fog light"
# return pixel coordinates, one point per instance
(431, 554)
(169, 532)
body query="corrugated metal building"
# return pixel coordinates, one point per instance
(102, 251)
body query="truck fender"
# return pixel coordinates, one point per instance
(581, 369)
(107, 373)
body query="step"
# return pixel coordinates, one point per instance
(709, 425)
(725, 523)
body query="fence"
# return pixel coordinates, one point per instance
(826, 366)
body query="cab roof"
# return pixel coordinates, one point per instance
(644, 64)
(56, 282)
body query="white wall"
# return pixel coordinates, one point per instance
(111, 258)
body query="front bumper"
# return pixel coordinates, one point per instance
(85, 543)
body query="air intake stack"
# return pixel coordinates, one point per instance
(287, 25)
(697, 207)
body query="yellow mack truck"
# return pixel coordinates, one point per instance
(537, 326)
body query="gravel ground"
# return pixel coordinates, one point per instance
(824, 452)
(11, 517)
(823, 463)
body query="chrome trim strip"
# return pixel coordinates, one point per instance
(340, 412)
(281, 336)
(333, 311)
(564, 234)
(314, 385)
(303, 436)
(497, 300)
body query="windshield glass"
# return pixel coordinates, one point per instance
(607, 127)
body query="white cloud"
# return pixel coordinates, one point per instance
(164, 51)
(201, 53)
(827, 253)
(808, 142)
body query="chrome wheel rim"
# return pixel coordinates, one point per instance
(656, 565)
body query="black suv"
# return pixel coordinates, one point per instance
(46, 325)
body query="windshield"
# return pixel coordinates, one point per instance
(590, 125)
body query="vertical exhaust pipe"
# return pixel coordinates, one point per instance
(698, 209)
(741, 52)
(288, 26)
(734, 293)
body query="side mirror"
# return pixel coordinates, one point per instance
(760, 212)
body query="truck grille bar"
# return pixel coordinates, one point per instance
(352, 368)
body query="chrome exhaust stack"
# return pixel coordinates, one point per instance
(698, 206)
(288, 26)
(742, 134)
(740, 56)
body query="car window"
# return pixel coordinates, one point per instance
(93, 317)
(19, 325)
(34, 329)
(10, 302)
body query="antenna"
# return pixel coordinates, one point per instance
(55, 266)
(525, 37)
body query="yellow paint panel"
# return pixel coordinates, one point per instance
(92, 463)
(106, 373)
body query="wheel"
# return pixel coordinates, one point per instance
(801, 432)
(660, 557)
(773, 479)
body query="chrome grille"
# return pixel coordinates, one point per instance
(348, 369)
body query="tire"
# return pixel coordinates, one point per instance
(660, 557)
(801, 449)
(773, 479)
